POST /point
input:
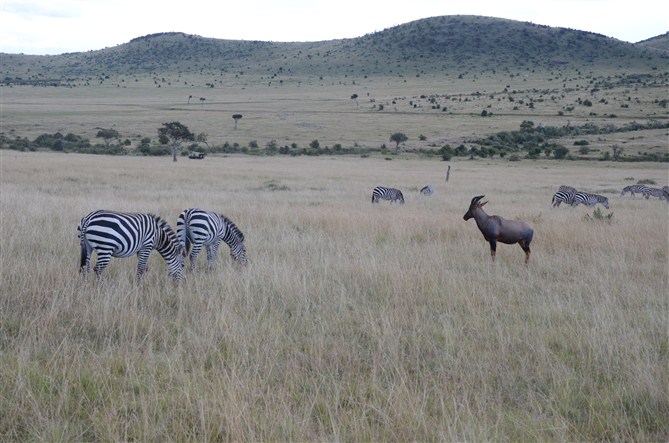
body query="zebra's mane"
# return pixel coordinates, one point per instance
(162, 224)
(233, 228)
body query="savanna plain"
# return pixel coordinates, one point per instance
(352, 321)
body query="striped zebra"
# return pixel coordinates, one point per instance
(634, 189)
(590, 199)
(391, 194)
(198, 228)
(119, 234)
(655, 192)
(427, 190)
(565, 194)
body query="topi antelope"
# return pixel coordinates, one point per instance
(494, 228)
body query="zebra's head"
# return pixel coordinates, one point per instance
(169, 246)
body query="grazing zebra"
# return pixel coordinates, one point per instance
(118, 234)
(427, 190)
(390, 194)
(563, 197)
(634, 189)
(590, 199)
(565, 194)
(655, 192)
(565, 188)
(201, 228)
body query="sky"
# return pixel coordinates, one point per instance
(60, 26)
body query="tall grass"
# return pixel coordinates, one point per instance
(352, 321)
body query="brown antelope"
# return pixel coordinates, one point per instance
(494, 228)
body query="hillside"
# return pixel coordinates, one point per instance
(431, 45)
(660, 43)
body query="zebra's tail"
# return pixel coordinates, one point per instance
(182, 231)
(82, 244)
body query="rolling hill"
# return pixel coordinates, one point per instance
(431, 45)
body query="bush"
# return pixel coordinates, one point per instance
(560, 152)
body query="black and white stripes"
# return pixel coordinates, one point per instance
(391, 194)
(565, 194)
(634, 189)
(590, 199)
(118, 234)
(197, 228)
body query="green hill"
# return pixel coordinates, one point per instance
(431, 45)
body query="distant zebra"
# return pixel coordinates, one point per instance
(118, 234)
(565, 188)
(202, 228)
(634, 189)
(655, 192)
(590, 199)
(427, 190)
(391, 194)
(565, 194)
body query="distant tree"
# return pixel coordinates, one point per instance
(202, 138)
(526, 126)
(107, 135)
(236, 118)
(176, 132)
(617, 151)
(189, 97)
(398, 137)
(354, 97)
(560, 152)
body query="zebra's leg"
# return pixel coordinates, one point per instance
(212, 251)
(193, 254)
(142, 259)
(103, 260)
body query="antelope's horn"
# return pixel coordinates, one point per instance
(476, 199)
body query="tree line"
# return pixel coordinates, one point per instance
(176, 139)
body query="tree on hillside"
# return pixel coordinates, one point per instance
(236, 118)
(176, 132)
(107, 135)
(354, 97)
(398, 137)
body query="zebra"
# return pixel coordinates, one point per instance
(590, 199)
(427, 190)
(199, 228)
(120, 234)
(391, 194)
(565, 194)
(635, 189)
(655, 192)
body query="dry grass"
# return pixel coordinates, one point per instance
(352, 321)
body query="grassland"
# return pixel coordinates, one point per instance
(352, 321)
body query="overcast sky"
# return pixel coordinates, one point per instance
(58, 26)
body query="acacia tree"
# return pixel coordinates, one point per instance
(236, 118)
(202, 138)
(176, 132)
(107, 135)
(354, 97)
(398, 137)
